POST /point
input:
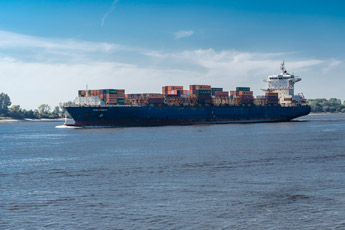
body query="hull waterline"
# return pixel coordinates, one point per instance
(127, 116)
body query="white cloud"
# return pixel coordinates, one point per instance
(33, 80)
(183, 34)
(331, 65)
(9, 40)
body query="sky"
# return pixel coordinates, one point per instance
(51, 49)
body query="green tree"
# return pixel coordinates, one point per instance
(44, 111)
(29, 114)
(57, 112)
(5, 102)
(320, 105)
(15, 111)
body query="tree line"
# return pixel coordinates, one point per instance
(15, 111)
(322, 105)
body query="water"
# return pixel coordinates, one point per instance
(239, 176)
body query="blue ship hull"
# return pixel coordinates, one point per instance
(126, 116)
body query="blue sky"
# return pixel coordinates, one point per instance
(50, 49)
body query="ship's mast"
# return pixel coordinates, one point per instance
(282, 67)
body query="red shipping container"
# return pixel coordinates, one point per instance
(244, 93)
(221, 93)
(271, 94)
(245, 97)
(199, 87)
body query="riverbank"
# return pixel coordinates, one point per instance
(8, 119)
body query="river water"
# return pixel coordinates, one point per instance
(288, 175)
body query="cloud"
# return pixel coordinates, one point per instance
(15, 40)
(331, 65)
(33, 48)
(112, 8)
(183, 34)
(35, 70)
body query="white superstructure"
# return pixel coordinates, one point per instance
(88, 101)
(284, 85)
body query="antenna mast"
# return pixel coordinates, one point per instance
(282, 67)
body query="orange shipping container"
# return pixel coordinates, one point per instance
(244, 93)
(271, 94)
(167, 89)
(186, 92)
(198, 87)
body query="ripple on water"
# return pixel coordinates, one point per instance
(253, 176)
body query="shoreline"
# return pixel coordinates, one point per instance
(10, 120)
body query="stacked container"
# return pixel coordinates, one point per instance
(176, 96)
(243, 95)
(221, 97)
(221, 94)
(260, 100)
(81, 93)
(214, 90)
(144, 98)
(186, 92)
(155, 98)
(172, 90)
(200, 94)
(272, 98)
(193, 88)
(109, 96)
(113, 96)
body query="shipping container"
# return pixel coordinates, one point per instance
(244, 92)
(271, 94)
(199, 87)
(115, 91)
(242, 88)
(156, 100)
(203, 92)
(155, 95)
(168, 89)
(213, 90)
(221, 93)
(186, 92)
(272, 97)
(245, 96)
(175, 92)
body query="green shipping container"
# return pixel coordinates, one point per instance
(120, 100)
(202, 92)
(242, 89)
(111, 91)
(217, 89)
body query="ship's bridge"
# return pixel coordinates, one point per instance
(284, 85)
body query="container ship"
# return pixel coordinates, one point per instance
(200, 104)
